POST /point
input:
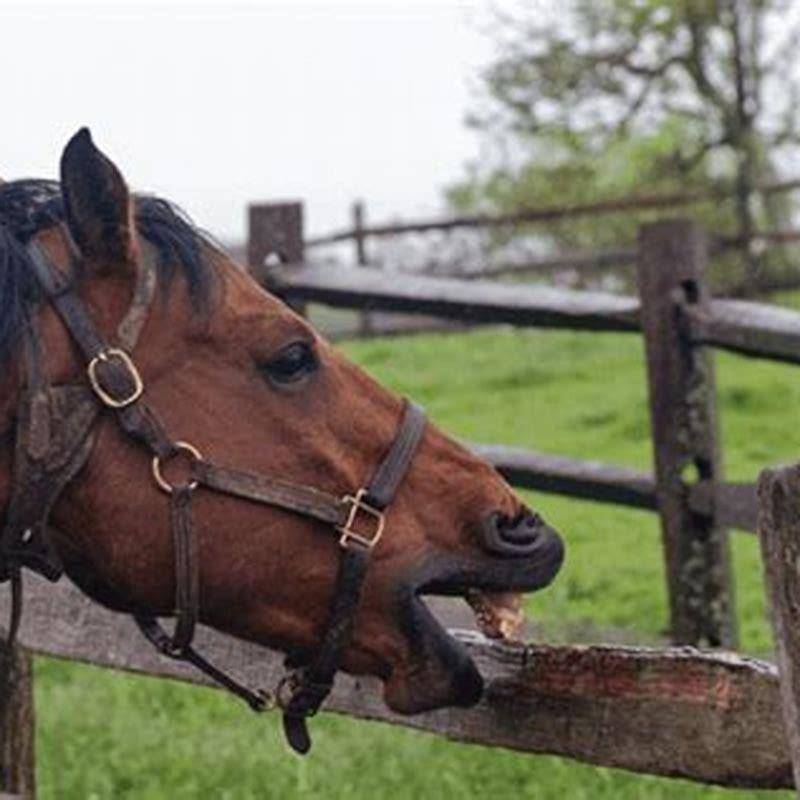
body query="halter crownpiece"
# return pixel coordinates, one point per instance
(54, 440)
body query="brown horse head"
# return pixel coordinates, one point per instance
(234, 371)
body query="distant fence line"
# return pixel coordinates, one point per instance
(580, 262)
(626, 256)
(546, 214)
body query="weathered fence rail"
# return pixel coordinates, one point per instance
(752, 329)
(755, 329)
(736, 504)
(589, 480)
(707, 717)
(467, 301)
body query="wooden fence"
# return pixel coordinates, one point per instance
(704, 716)
(641, 202)
(623, 255)
(707, 716)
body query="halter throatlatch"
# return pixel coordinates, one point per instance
(54, 440)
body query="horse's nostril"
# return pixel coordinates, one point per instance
(522, 527)
(512, 536)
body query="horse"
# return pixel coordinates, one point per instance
(181, 443)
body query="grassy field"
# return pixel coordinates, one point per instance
(102, 735)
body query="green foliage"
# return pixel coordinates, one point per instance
(607, 98)
(104, 735)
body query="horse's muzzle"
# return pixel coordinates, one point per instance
(521, 536)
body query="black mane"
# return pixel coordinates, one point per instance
(30, 206)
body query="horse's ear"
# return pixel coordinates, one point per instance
(97, 203)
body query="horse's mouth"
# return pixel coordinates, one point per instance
(439, 672)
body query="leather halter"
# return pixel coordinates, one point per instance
(54, 440)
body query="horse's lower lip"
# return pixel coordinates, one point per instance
(439, 672)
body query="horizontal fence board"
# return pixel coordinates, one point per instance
(574, 262)
(633, 203)
(754, 329)
(470, 301)
(589, 480)
(735, 504)
(709, 717)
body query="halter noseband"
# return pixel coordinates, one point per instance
(54, 440)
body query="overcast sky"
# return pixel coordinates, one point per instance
(214, 105)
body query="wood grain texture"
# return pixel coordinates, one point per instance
(732, 504)
(590, 480)
(753, 329)
(274, 229)
(671, 265)
(17, 724)
(779, 532)
(275, 232)
(703, 716)
(470, 301)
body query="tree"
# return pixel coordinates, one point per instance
(608, 96)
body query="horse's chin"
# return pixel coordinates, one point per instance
(438, 672)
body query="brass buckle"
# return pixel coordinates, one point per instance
(351, 536)
(106, 356)
(158, 475)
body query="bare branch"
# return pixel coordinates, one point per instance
(687, 163)
(696, 63)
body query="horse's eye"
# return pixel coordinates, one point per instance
(291, 364)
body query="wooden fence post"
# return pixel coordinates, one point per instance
(275, 235)
(17, 774)
(671, 262)
(360, 241)
(779, 532)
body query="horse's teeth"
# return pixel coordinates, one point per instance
(499, 615)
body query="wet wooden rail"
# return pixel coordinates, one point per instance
(754, 329)
(735, 504)
(710, 717)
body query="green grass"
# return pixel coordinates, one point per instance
(103, 735)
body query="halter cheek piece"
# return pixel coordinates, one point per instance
(54, 439)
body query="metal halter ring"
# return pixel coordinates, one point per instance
(106, 356)
(158, 476)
